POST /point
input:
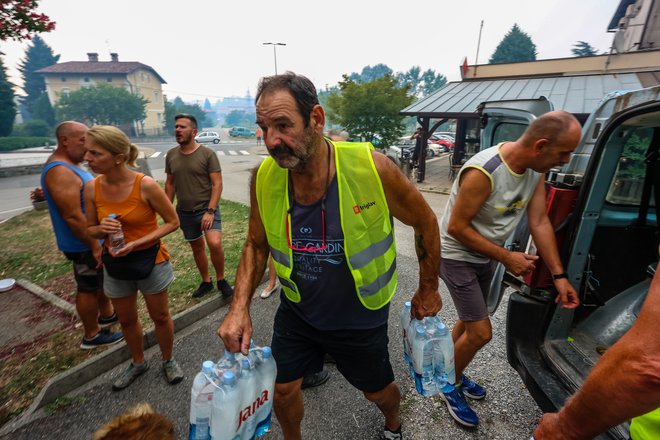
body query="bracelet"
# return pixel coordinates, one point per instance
(559, 276)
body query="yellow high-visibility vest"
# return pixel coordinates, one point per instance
(646, 427)
(366, 222)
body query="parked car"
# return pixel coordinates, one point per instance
(207, 136)
(241, 132)
(401, 151)
(603, 210)
(444, 141)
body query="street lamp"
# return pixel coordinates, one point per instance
(275, 51)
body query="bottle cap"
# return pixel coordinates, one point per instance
(207, 367)
(245, 364)
(266, 351)
(441, 327)
(420, 329)
(112, 215)
(407, 304)
(228, 377)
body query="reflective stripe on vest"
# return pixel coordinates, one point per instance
(369, 243)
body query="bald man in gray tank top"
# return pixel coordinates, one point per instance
(488, 199)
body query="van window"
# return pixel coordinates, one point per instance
(507, 131)
(628, 183)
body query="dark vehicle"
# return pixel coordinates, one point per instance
(603, 208)
(241, 132)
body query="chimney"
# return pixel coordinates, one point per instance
(92, 57)
(114, 57)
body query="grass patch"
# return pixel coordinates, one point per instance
(29, 251)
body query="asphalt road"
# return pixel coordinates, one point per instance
(335, 410)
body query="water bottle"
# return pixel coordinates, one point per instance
(226, 408)
(116, 238)
(228, 362)
(443, 358)
(266, 381)
(423, 362)
(405, 323)
(201, 403)
(247, 385)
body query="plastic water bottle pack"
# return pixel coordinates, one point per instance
(429, 351)
(232, 399)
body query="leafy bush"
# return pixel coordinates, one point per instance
(17, 143)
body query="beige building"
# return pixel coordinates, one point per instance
(64, 78)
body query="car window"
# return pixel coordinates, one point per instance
(507, 131)
(628, 182)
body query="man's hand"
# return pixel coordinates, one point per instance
(425, 304)
(550, 428)
(207, 221)
(566, 294)
(520, 263)
(236, 330)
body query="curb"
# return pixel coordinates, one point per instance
(83, 373)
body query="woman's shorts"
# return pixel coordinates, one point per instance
(158, 280)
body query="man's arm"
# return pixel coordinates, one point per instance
(473, 192)
(64, 187)
(543, 234)
(625, 383)
(236, 328)
(169, 187)
(407, 204)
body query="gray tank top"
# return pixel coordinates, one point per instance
(328, 297)
(510, 194)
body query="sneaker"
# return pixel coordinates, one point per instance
(472, 389)
(172, 372)
(392, 435)
(105, 322)
(225, 289)
(129, 375)
(203, 289)
(459, 408)
(316, 379)
(101, 339)
(268, 292)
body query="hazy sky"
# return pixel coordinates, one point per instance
(214, 48)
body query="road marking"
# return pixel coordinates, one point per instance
(220, 153)
(244, 153)
(156, 154)
(233, 153)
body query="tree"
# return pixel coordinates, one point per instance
(370, 109)
(103, 104)
(240, 118)
(7, 104)
(18, 21)
(421, 84)
(177, 107)
(371, 73)
(583, 49)
(516, 46)
(37, 56)
(43, 110)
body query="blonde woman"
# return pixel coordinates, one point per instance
(142, 263)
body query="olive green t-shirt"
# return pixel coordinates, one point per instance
(192, 183)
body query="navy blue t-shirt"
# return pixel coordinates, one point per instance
(329, 299)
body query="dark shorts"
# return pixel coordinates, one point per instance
(89, 279)
(468, 284)
(191, 223)
(361, 355)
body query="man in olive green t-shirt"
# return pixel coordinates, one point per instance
(194, 176)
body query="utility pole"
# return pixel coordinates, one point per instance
(476, 58)
(275, 51)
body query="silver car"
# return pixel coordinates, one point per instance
(207, 136)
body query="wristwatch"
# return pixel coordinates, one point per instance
(210, 210)
(559, 276)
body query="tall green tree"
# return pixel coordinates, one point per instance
(583, 49)
(516, 46)
(37, 56)
(371, 73)
(18, 21)
(103, 104)
(370, 109)
(421, 83)
(7, 104)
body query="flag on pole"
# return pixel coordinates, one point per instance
(464, 68)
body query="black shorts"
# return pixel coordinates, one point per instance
(361, 355)
(88, 278)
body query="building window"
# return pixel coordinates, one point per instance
(156, 95)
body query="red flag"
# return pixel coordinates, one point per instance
(464, 68)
